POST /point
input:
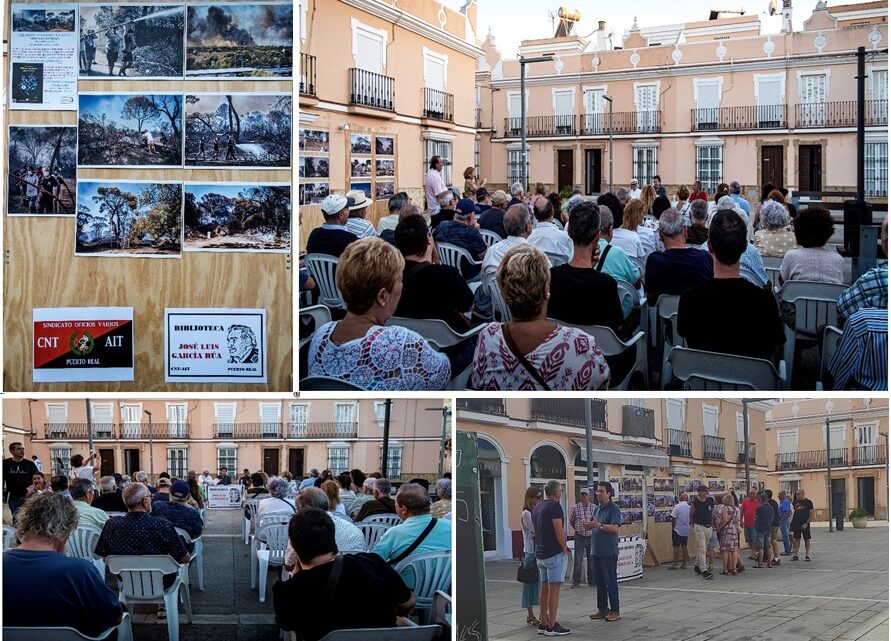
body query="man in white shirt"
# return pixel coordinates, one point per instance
(433, 183)
(680, 530)
(633, 189)
(546, 235)
(83, 492)
(81, 469)
(518, 226)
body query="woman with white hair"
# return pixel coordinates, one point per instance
(443, 507)
(278, 501)
(775, 237)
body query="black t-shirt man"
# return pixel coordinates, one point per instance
(776, 512)
(441, 216)
(802, 512)
(702, 511)
(543, 515)
(434, 291)
(17, 477)
(300, 607)
(584, 296)
(730, 316)
(329, 239)
(676, 270)
(493, 220)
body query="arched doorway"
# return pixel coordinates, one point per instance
(546, 463)
(491, 497)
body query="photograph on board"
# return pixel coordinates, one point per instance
(42, 170)
(237, 217)
(40, 20)
(312, 140)
(240, 41)
(131, 40)
(129, 130)
(313, 193)
(313, 167)
(132, 218)
(383, 145)
(238, 130)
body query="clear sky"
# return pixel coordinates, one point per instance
(515, 20)
(112, 105)
(244, 103)
(86, 191)
(230, 190)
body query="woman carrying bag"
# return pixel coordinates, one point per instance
(528, 566)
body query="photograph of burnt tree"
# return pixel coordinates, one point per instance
(240, 40)
(129, 130)
(131, 41)
(41, 170)
(237, 217)
(129, 219)
(238, 130)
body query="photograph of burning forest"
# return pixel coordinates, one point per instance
(251, 131)
(131, 41)
(133, 218)
(42, 170)
(240, 40)
(37, 20)
(129, 130)
(237, 217)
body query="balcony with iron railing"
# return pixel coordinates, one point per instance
(638, 421)
(840, 457)
(439, 105)
(79, 430)
(738, 118)
(369, 89)
(323, 429)
(712, 447)
(564, 411)
(627, 122)
(840, 114)
(483, 405)
(307, 75)
(679, 443)
(741, 452)
(136, 431)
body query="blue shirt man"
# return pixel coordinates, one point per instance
(179, 513)
(463, 232)
(310, 480)
(605, 548)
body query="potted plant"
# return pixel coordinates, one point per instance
(858, 517)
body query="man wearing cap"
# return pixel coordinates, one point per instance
(633, 189)
(163, 493)
(463, 231)
(356, 223)
(332, 237)
(178, 511)
(433, 183)
(701, 510)
(446, 202)
(492, 218)
(482, 200)
(580, 513)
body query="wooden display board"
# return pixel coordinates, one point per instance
(41, 269)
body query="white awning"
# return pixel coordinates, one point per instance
(624, 454)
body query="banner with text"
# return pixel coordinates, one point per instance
(224, 496)
(632, 550)
(215, 345)
(83, 344)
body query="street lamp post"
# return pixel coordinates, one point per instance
(446, 413)
(745, 413)
(523, 62)
(887, 490)
(610, 100)
(151, 448)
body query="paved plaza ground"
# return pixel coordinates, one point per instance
(842, 595)
(227, 610)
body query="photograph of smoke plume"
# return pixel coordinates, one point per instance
(239, 40)
(131, 41)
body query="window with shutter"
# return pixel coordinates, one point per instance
(224, 415)
(710, 420)
(674, 409)
(563, 100)
(299, 418)
(770, 92)
(813, 99)
(176, 420)
(647, 102)
(270, 416)
(595, 122)
(57, 419)
(131, 417)
(788, 443)
(708, 98)
(344, 417)
(879, 90)
(103, 419)
(369, 51)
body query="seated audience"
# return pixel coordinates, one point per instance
(492, 218)
(518, 194)
(38, 485)
(442, 508)
(179, 513)
(109, 499)
(59, 485)
(163, 493)
(682, 204)
(718, 315)
(429, 290)
(367, 494)
(735, 193)
(349, 538)
(345, 491)
(463, 231)
(83, 493)
(370, 277)
(775, 237)
(409, 209)
(356, 223)
(697, 234)
(861, 359)
(581, 295)
(446, 201)
(613, 260)
(277, 502)
(195, 490)
(42, 587)
(332, 489)
(311, 606)
(332, 237)
(633, 190)
(546, 235)
(483, 203)
(380, 504)
(622, 195)
(648, 197)
(627, 236)
(871, 289)
(698, 192)
(557, 204)
(518, 227)
(258, 486)
(811, 260)
(397, 201)
(530, 352)
(680, 266)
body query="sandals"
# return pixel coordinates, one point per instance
(531, 620)
(732, 572)
(795, 558)
(724, 572)
(807, 558)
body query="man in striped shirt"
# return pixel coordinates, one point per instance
(871, 289)
(861, 359)
(580, 513)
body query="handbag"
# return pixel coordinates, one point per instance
(527, 574)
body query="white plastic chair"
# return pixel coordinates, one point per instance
(701, 370)
(815, 305)
(319, 314)
(124, 629)
(9, 540)
(354, 510)
(203, 513)
(442, 609)
(831, 338)
(498, 304)
(141, 581)
(490, 237)
(82, 543)
(404, 633)
(387, 519)
(749, 275)
(611, 345)
(270, 544)
(440, 336)
(627, 291)
(453, 255)
(197, 555)
(641, 265)
(112, 515)
(667, 316)
(247, 523)
(773, 275)
(431, 571)
(327, 384)
(322, 268)
(372, 533)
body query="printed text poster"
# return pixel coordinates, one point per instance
(43, 57)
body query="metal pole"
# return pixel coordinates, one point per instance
(887, 487)
(745, 404)
(523, 177)
(386, 446)
(445, 420)
(589, 443)
(861, 120)
(89, 425)
(151, 448)
(829, 470)
(610, 142)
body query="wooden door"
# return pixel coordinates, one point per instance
(270, 461)
(564, 169)
(295, 461)
(131, 461)
(107, 456)
(772, 165)
(810, 168)
(593, 175)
